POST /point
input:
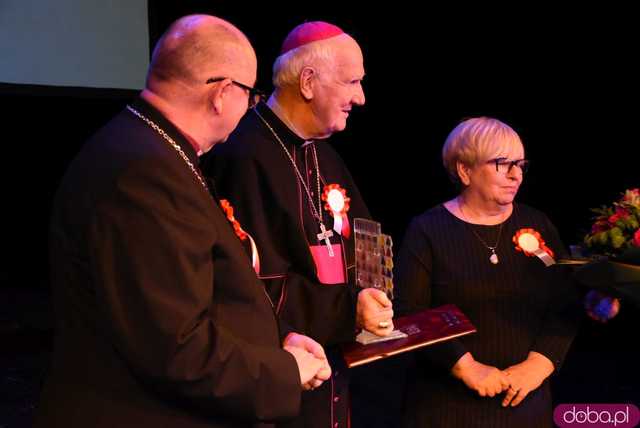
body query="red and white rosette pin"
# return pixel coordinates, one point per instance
(337, 203)
(531, 243)
(240, 233)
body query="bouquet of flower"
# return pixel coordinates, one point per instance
(615, 234)
(616, 228)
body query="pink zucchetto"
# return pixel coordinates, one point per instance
(309, 32)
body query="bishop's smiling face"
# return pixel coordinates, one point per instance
(338, 89)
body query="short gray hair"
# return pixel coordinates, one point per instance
(288, 66)
(476, 140)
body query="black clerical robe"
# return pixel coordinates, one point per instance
(161, 320)
(255, 173)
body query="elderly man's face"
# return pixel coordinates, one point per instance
(339, 89)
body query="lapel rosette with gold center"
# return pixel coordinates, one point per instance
(530, 242)
(337, 203)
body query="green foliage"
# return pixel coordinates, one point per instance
(616, 228)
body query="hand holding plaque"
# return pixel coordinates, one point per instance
(374, 273)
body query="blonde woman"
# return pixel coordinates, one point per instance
(463, 252)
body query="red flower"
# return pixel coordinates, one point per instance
(615, 228)
(621, 214)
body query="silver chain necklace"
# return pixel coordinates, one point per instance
(494, 257)
(175, 145)
(324, 234)
(183, 155)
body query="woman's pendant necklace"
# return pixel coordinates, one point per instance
(493, 258)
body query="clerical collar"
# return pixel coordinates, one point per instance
(144, 107)
(281, 127)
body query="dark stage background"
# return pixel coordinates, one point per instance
(566, 80)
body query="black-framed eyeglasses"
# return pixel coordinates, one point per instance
(504, 165)
(255, 95)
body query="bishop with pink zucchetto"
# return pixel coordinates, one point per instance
(293, 193)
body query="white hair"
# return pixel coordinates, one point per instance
(288, 66)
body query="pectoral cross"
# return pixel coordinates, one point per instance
(324, 235)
